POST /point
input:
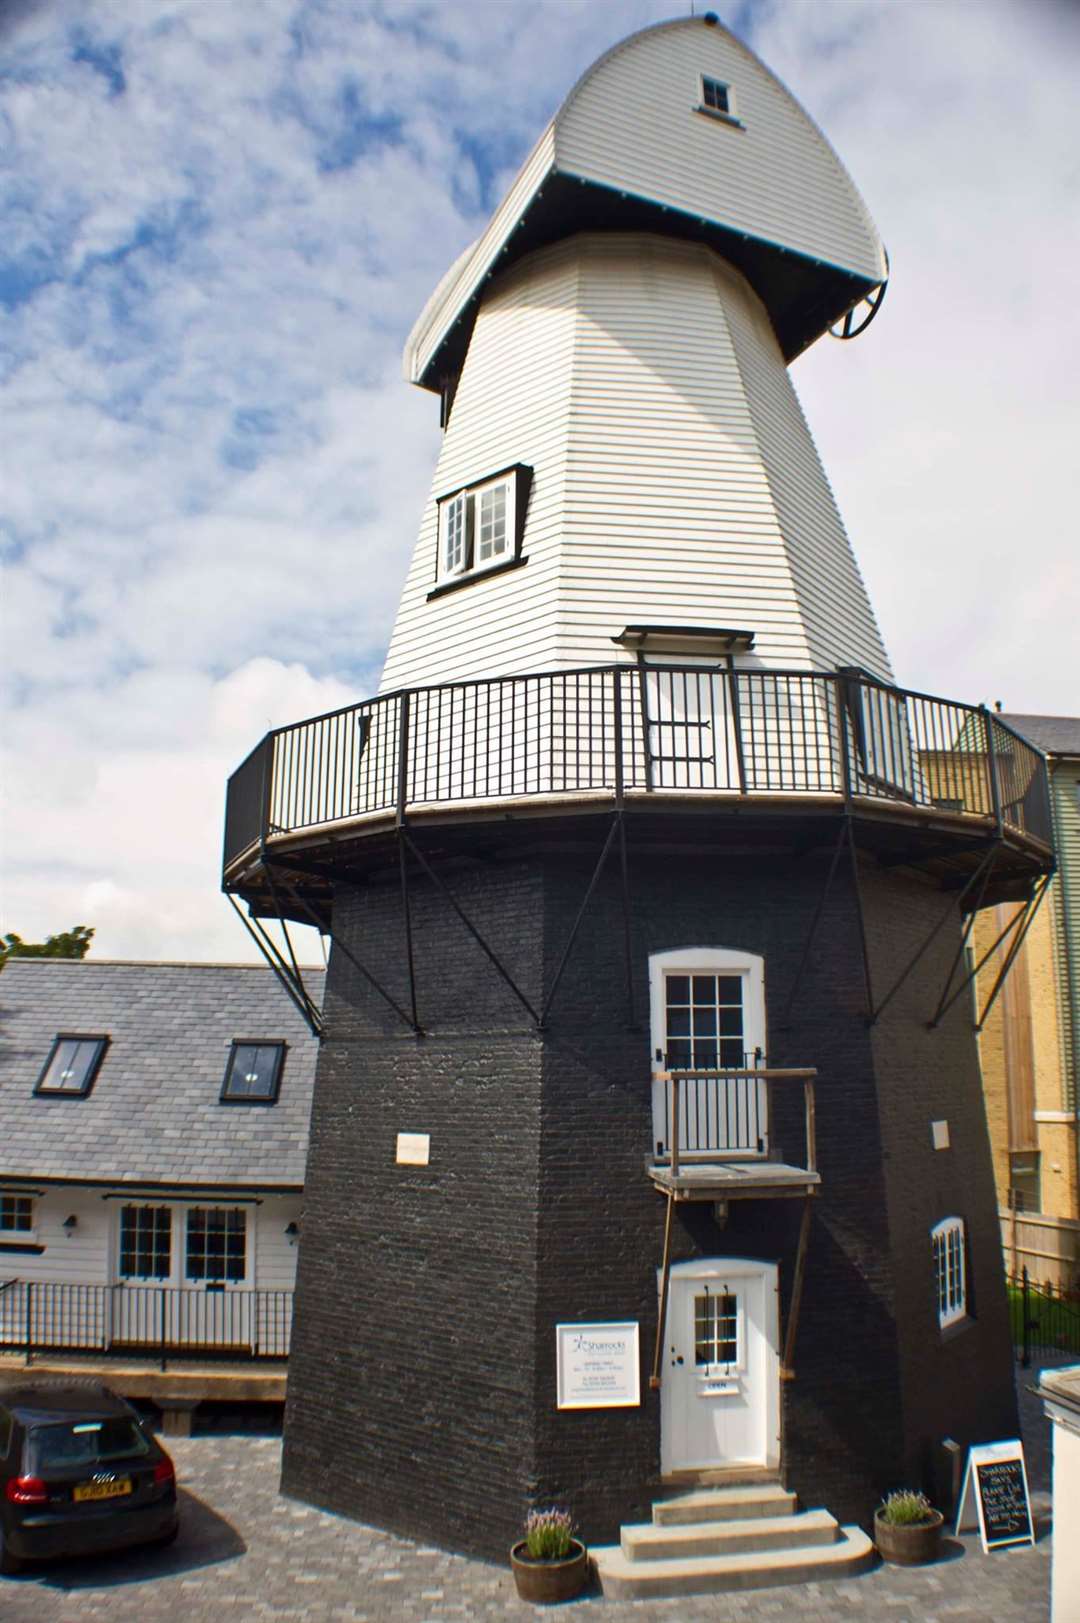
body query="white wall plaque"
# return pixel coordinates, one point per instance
(939, 1133)
(413, 1149)
(598, 1365)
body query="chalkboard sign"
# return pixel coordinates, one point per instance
(996, 1481)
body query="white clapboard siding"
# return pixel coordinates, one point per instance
(79, 1256)
(275, 1251)
(833, 602)
(631, 125)
(86, 1255)
(675, 479)
(511, 406)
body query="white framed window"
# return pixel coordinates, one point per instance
(216, 1245)
(715, 94)
(707, 1016)
(718, 100)
(453, 518)
(492, 535)
(717, 1330)
(17, 1215)
(145, 1243)
(707, 1007)
(481, 526)
(950, 1270)
(884, 757)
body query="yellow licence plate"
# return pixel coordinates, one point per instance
(103, 1490)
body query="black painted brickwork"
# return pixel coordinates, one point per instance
(422, 1380)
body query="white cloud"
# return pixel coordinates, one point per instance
(213, 473)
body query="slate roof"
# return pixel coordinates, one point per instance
(1056, 735)
(152, 1116)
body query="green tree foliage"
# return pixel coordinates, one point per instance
(73, 943)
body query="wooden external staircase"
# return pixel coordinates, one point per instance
(729, 1538)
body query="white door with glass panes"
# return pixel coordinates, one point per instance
(217, 1298)
(707, 1015)
(183, 1275)
(720, 1377)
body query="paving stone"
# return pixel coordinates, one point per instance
(245, 1552)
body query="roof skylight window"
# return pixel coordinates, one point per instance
(72, 1065)
(253, 1074)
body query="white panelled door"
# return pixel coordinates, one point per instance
(720, 1387)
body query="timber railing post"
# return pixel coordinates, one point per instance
(674, 1126)
(811, 1125)
(29, 1319)
(161, 1327)
(665, 1279)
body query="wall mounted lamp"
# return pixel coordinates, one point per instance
(70, 1224)
(292, 1230)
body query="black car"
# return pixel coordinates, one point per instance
(78, 1473)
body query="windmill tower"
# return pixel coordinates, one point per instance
(648, 1138)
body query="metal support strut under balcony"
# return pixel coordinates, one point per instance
(718, 1173)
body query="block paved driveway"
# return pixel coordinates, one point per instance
(246, 1552)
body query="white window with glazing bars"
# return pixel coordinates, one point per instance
(950, 1270)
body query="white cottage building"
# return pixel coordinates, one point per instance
(647, 1129)
(155, 1124)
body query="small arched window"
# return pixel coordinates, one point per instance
(950, 1270)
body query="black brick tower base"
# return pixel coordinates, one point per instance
(422, 1375)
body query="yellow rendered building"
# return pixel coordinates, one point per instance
(1029, 1045)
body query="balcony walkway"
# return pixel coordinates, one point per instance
(777, 754)
(732, 1180)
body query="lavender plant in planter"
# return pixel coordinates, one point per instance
(907, 1529)
(549, 1563)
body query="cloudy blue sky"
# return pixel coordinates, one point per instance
(219, 221)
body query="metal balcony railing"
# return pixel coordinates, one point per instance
(156, 1320)
(711, 1115)
(628, 730)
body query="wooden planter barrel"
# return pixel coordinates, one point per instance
(544, 1582)
(912, 1544)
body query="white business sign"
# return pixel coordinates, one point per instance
(598, 1366)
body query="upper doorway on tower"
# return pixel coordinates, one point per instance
(679, 130)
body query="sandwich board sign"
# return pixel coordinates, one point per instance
(996, 1479)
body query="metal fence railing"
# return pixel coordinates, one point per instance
(626, 729)
(1044, 1320)
(709, 1115)
(158, 1320)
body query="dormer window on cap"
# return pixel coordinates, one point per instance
(481, 526)
(718, 100)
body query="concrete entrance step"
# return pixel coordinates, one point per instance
(724, 1504)
(646, 1542)
(623, 1579)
